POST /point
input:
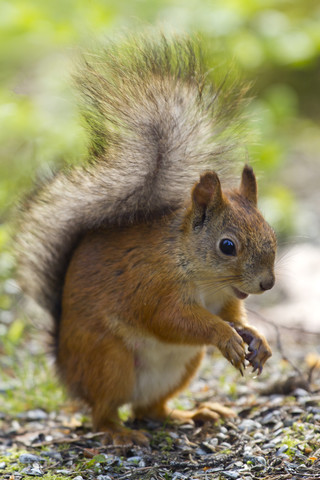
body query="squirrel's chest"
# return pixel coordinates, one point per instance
(160, 368)
(213, 300)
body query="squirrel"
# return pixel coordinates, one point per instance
(143, 255)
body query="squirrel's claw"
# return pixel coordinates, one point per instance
(258, 348)
(257, 366)
(233, 349)
(242, 368)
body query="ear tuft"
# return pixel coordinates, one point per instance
(207, 189)
(248, 186)
(206, 198)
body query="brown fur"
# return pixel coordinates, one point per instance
(126, 255)
(143, 281)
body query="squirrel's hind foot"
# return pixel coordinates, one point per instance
(207, 409)
(124, 437)
(205, 412)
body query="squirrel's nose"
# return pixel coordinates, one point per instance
(267, 283)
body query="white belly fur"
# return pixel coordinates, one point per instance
(159, 368)
(213, 301)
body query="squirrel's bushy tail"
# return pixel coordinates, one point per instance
(155, 122)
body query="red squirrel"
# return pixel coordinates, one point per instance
(143, 256)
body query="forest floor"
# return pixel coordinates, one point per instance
(275, 435)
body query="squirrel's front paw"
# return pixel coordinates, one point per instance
(232, 347)
(259, 349)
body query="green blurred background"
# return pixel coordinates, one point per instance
(276, 45)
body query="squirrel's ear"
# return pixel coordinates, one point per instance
(248, 186)
(206, 194)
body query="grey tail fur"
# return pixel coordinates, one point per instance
(156, 122)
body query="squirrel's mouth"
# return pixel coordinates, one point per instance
(239, 294)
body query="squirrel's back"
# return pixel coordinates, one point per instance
(155, 122)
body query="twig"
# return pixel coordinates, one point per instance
(136, 471)
(280, 325)
(278, 339)
(72, 440)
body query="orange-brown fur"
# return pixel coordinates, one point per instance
(141, 281)
(139, 263)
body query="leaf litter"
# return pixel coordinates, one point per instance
(276, 434)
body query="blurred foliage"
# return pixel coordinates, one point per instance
(276, 45)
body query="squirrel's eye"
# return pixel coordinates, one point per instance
(227, 247)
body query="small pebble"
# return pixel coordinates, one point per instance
(112, 459)
(301, 392)
(207, 446)
(103, 477)
(276, 399)
(222, 436)
(282, 449)
(186, 426)
(52, 454)
(278, 439)
(79, 477)
(34, 471)
(226, 445)
(185, 448)
(271, 417)
(37, 414)
(277, 432)
(29, 458)
(178, 476)
(213, 441)
(249, 425)
(233, 474)
(247, 450)
(255, 460)
(200, 451)
(288, 422)
(277, 426)
(297, 411)
(2, 465)
(268, 445)
(136, 461)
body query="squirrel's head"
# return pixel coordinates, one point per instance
(235, 245)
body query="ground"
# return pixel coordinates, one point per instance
(276, 434)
